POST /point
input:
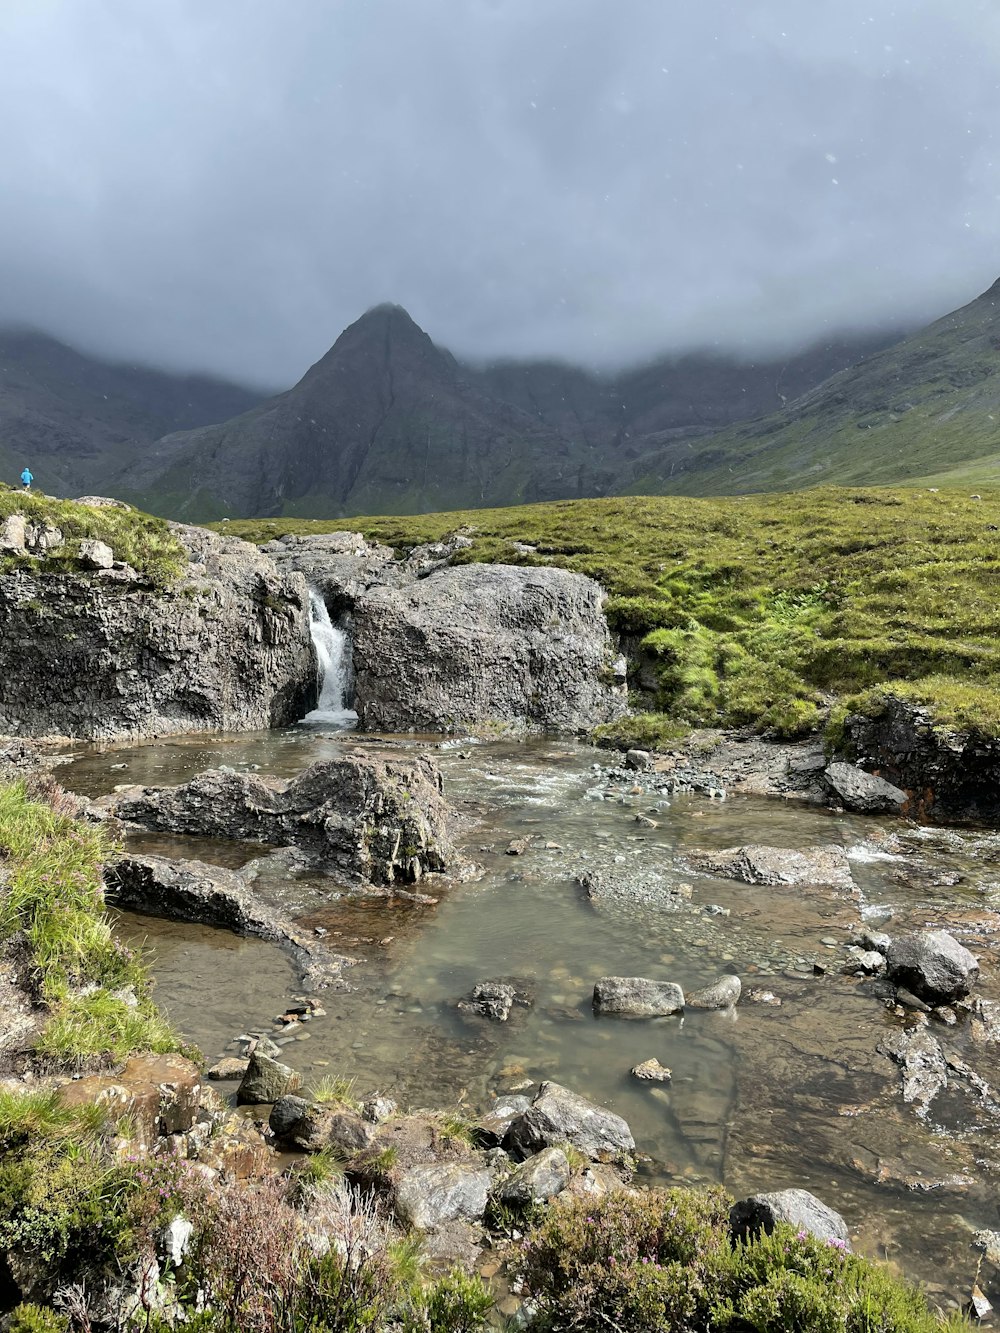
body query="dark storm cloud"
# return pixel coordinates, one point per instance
(225, 184)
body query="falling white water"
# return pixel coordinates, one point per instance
(333, 657)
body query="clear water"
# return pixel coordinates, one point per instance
(763, 1098)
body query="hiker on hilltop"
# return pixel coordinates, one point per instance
(27, 479)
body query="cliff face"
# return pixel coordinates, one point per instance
(100, 654)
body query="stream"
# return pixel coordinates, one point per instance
(766, 1096)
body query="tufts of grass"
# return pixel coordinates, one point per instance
(332, 1090)
(142, 541)
(95, 989)
(762, 610)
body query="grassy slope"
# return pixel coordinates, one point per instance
(142, 541)
(916, 409)
(764, 610)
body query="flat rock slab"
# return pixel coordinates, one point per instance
(757, 864)
(429, 1196)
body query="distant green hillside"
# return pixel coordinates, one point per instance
(922, 408)
(767, 610)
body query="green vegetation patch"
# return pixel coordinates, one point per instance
(664, 1262)
(142, 541)
(95, 989)
(763, 610)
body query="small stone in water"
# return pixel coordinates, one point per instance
(651, 1070)
(829, 941)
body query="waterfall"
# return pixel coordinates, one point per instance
(333, 657)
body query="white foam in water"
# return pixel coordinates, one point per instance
(333, 656)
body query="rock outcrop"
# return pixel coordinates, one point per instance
(99, 654)
(440, 646)
(376, 818)
(950, 777)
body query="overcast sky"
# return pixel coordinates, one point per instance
(225, 184)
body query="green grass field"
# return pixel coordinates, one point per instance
(767, 610)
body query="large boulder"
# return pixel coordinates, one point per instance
(102, 655)
(796, 1208)
(379, 818)
(536, 1180)
(637, 997)
(558, 1116)
(479, 646)
(932, 964)
(862, 792)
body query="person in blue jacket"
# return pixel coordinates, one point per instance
(27, 479)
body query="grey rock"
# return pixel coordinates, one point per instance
(863, 793)
(94, 554)
(229, 1068)
(377, 1109)
(340, 565)
(266, 1080)
(224, 648)
(431, 1195)
(868, 961)
(13, 534)
(287, 1113)
(175, 1240)
(876, 941)
(933, 965)
(721, 994)
(484, 646)
(925, 1069)
(536, 1180)
(798, 1208)
(637, 997)
(379, 818)
(491, 1128)
(755, 864)
(495, 1000)
(102, 502)
(558, 1116)
(640, 760)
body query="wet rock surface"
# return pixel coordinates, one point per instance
(720, 994)
(756, 864)
(932, 964)
(99, 654)
(637, 997)
(375, 818)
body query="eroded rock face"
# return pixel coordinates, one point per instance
(100, 655)
(378, 819)
(162, 1094)
(950, 777)
(482, 646)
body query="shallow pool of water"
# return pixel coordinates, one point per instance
(763, 1097)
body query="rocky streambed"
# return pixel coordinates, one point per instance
(476, 979)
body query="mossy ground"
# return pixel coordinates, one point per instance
(144, 542)
(764, 610)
